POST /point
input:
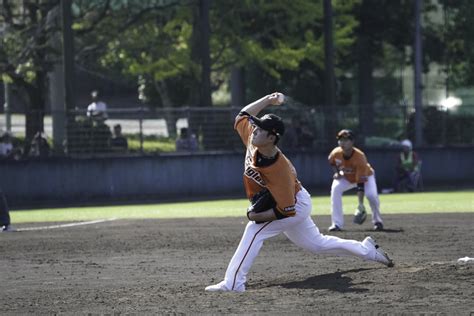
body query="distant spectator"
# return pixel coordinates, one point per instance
(97, 110)
(186, 142)
(298, 136)
(118, 143)
(6, 145)
(305, 137)
(101, 137)
(290, 141)
(7, 149)
(39, 146)
(407, 169)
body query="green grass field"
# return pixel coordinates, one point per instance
(429, 202)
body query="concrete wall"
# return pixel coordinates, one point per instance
(168, 177)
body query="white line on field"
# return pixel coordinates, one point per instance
(66, 225)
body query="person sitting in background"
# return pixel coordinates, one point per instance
(39, 146)
(118, 143)
(6, 146)
(407, 169)
(97, 110)
(299, 136)
(7, 149)
(186, 142)
(305, 137)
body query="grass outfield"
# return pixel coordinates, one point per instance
(429, 202)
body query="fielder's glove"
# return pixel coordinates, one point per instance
(360, 215)
(261, 201)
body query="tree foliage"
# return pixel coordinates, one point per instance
(458, 42)
(154, 45)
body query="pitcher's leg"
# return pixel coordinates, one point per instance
(253, 239)
(247, 251)
(372, 196)
(306, 235)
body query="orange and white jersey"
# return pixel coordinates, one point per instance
(356, 168)
(279, 178)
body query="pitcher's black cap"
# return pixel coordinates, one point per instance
(269, 122)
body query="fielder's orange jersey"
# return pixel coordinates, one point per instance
(356, 168)
(279, 178)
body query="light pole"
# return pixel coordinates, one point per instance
(329, 78)
(68, 62)
(418, 79)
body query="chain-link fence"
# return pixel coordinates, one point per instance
(146, 131)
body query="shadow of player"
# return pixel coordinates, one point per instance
(336, 281)
(386, 230)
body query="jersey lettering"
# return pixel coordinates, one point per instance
(254, 175)
(251, 173)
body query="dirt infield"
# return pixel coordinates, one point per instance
(162, 266)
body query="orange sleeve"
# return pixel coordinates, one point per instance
(243, 128)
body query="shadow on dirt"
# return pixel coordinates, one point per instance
(387, 230)
(336, 281)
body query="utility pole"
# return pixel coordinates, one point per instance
(329, 80)
(68, 61)
(418, 79)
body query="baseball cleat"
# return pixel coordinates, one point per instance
(360, 216)
(378, 226)
(334, 228)
(379, 255)
(220, 287)
(8, 228)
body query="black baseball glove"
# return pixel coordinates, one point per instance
(262, 201)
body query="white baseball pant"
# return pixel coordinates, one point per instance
(300, 230)
(341, 185)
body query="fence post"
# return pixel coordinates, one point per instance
(8, 119)
(140, 120)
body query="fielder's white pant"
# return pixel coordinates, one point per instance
(341, 185)
(299, 229)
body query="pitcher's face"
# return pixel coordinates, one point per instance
(261, 137)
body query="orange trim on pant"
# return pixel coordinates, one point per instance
(253, 239)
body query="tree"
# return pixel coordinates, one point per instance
(457, 42)
(379, 28)
(27, 55)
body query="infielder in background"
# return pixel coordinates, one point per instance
(266, 167)
(352, 170)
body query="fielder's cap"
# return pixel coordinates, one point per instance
(407, 143)
(269, 122)
(345, 133)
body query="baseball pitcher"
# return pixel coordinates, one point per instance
(280, 204)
